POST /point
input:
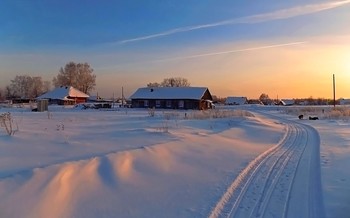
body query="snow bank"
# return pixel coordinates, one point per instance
(115, 163)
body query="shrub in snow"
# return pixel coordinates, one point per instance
(60, 127)
(151, 112)
(49, 115)
(6, 122)
(164, 128)
(216, 113)
(322, 112)
(338, 113)
(170, 115)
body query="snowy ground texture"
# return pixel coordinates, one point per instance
(249, 161)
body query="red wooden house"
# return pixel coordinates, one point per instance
(65, 95)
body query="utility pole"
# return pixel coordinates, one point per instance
(122, 96)
(334, 90)
(113, 101)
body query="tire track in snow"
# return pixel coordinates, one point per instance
(284, 181)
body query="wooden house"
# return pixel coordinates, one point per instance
(343, 101)
(236, 100)
(65, 95)
(287, 102)
(198, 98)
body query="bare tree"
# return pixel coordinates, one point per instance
(36, 86)
(8, 92)
(25, 86)
(175, 82)
(78, 75)
(155, 84)
(66, 76)
(264, 98)
(171, 82)
(311, 101)
(46, 86)
(2, 95)
(20, 86)
(87, 79)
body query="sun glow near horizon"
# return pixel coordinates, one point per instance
(298, 71)
(291, 72)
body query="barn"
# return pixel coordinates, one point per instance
(198, 98)
(65, 95)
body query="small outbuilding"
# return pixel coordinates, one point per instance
(65, 95)
(236, 100)
(42, 105)
(198, 98)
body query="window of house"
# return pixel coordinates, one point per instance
(181, 104)
(157, 103)
(145, 103)
(168, 103)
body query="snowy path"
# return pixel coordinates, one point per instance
(284, 181)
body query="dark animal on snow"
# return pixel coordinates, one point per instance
(301, 117)
(313, 118)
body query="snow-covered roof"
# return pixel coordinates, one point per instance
(236, 100)
(63, 92)
(193, 93)
(95, 98)
(344, 101)
(287, 102)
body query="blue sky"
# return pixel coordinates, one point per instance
(225, 45)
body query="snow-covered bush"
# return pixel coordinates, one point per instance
(49, 115)
(151, 112)
(217, 113)
(304, 110)
(60, 127)
(338, 113)
(163, 128)
(322, 112)
(171, 115)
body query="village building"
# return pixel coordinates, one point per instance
(344, 101)
(287, 102)
(236, 100)
(65, 95)
(255, 101)
(198, 98)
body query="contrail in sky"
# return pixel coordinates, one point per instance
(211, 54)
(231, 51)
(276, 15)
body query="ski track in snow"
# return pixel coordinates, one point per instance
(284, 181)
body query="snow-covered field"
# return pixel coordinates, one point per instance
(128, 163)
